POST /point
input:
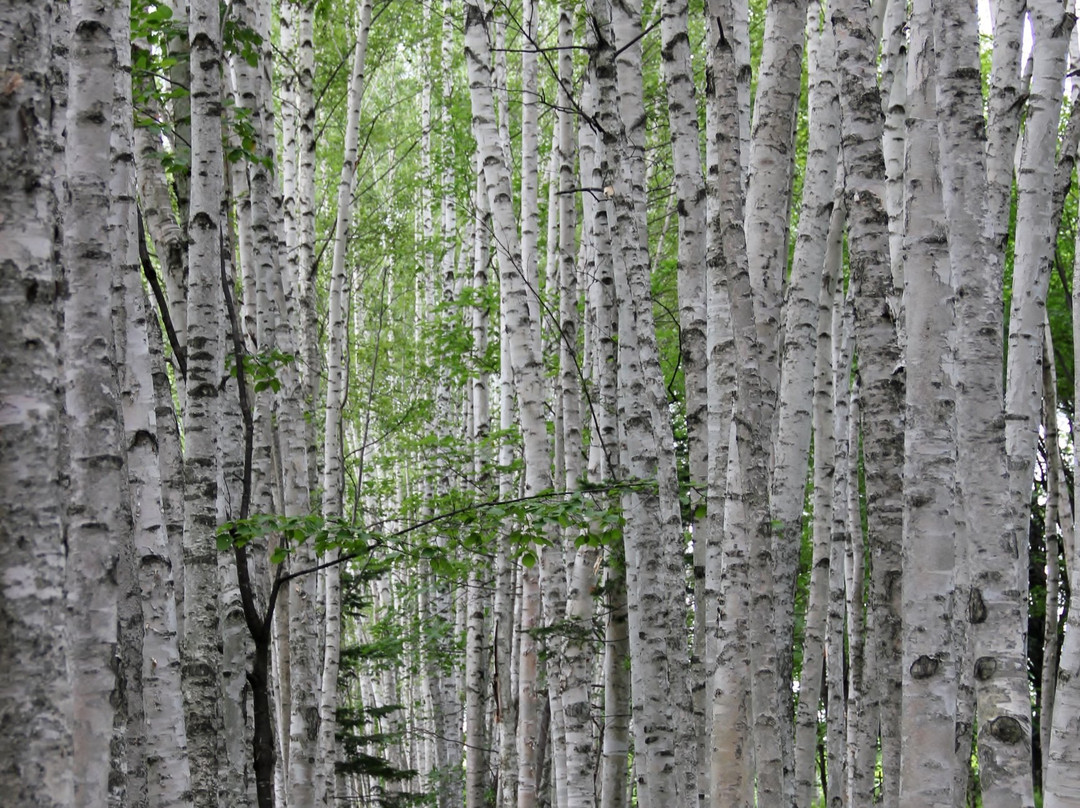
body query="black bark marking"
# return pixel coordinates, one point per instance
(976, 606)
(985, 667)
(924, 667)
(1006, 729)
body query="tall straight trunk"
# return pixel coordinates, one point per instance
(129, 750)
(552, 568)
(237, 780)
(932, 651)
(999, 596)
(792, 425)
(994, 520)
(1004, 112)
(168, 772)
(653, 530)
(615, 743)
(1062, 784)
(201, 657)
(1032, 252)
(98, 521)
(1058, 513)
(35, 693)
(530, 171)
(863, 712)
(171, 468)
(336, 384)
(477, 646)
(768, 193)
(578, 654)
(518, 329)
(836, 705)
(880, 371)
(682, 112)
(726, 589)
(811, 679)
(600, 347)
(308, 322)
(893, 86)
(180, 75)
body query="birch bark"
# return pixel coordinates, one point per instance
(168, 772)
(880, 373)
(518, 328)
(801, 330)
(682, 111)
(996, 600)
(98, 521)
(200, 655)
(932, 651)
(35, 694)
(336, 384)
(726, 587)
(653, 531)
(1062, 784)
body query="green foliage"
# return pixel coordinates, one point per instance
(262, 368)
(293, 531)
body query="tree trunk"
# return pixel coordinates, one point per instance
(932, 650)
(98, 521)
(880, 373)
(35, 693)
(201, 655)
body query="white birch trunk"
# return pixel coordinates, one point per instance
(792, 429)
(129, 726)
(932, 650)
(1004, 111)
(999, 601)
(98, 521)
(836, 712)
(477, 648)
(880, 373)
(333, 472)
(652, 535)
(996, 600)
(818, 634)
(168, 775)
(201, 656)
(893, 95)
(171, 469)
(727, 663)
(35, 692)
(1057, 513)
(1061, 786)
(600, 330)
(517, 328)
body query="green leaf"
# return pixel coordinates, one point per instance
(528, 559)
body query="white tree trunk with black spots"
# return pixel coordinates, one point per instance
(880, 372)
(35, 694)
(932, 646)
(98, 519)
(200, 650)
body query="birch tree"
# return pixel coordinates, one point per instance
(880, 372)
(98, 522)
(35, 697)
(200, 660)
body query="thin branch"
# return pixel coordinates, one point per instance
(163, 305)
(441, 517)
